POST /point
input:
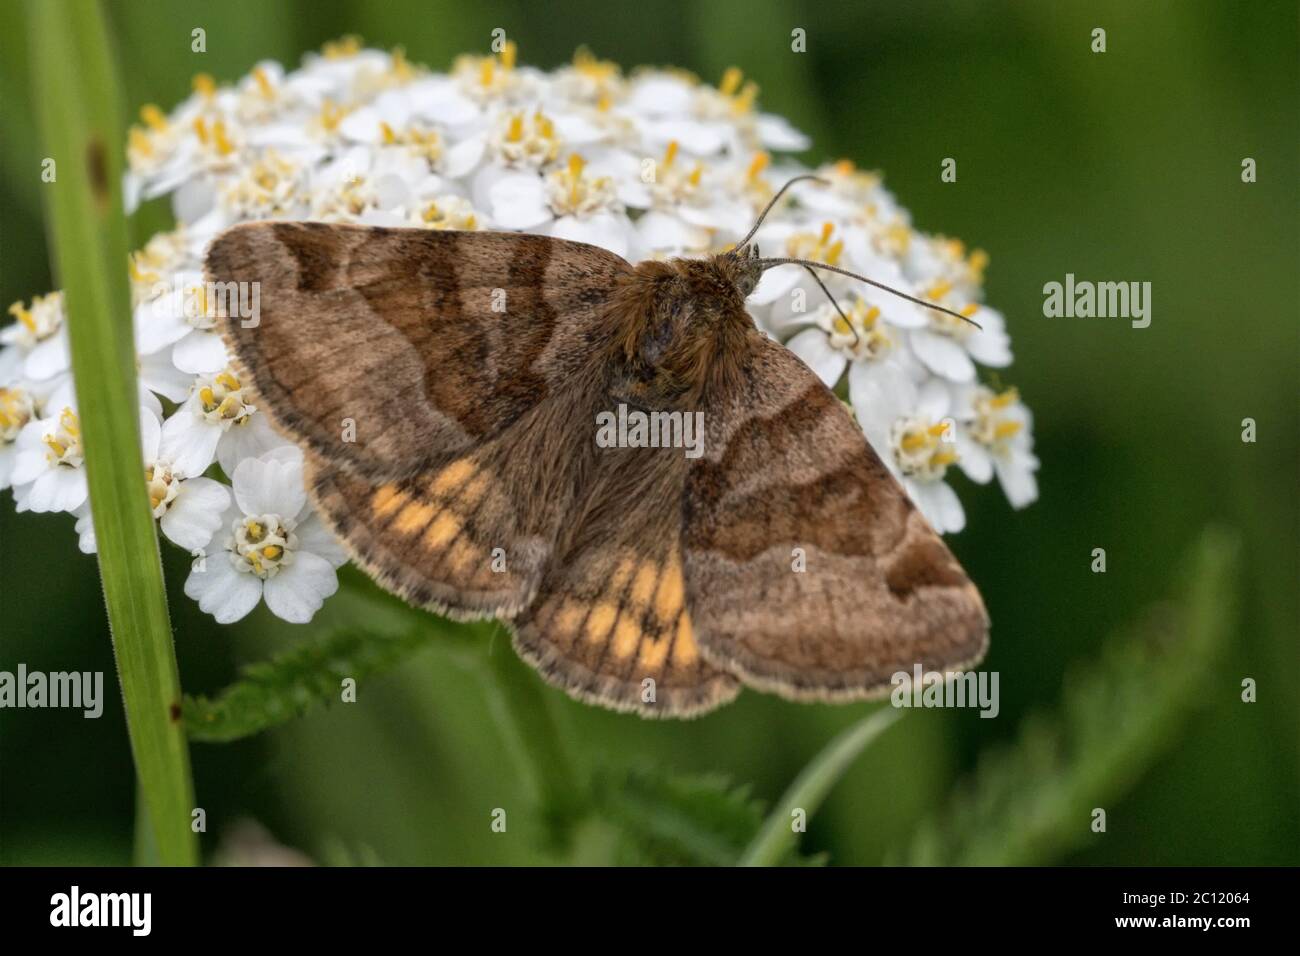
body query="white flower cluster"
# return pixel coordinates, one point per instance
(655, 164)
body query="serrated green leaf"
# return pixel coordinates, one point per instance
(673, 819)
(292, 683)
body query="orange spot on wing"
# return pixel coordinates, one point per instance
(668, 598)
(444, 528)
(626, 637)
(685, 652)
(413, 517)
(599, 622)
(387, 500)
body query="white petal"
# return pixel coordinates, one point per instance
(663, 232)
(775, 132)
(158, 324)
(942, 356)
(1018, 483)
(58, 489)
(974, 459)
(606, 230)
(774, 283)
(518, 201)
(462, 158)
(932, 400)
(297, 592)
(196, 514)
(222, 590)
(253, 439)
(29, 464)
(85, 528)
(313, 536)
(269, 486)
(48, 357)
(816, 351)
(189, 442)
(200, 353)
(158, 374)
(150, 434)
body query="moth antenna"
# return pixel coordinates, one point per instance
(809, 264)
(768, 208)
(857, 340)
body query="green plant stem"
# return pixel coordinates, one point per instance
(809, 789)
(525, 720)
(79, 109)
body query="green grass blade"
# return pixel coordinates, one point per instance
(79, 110)
(777, 838)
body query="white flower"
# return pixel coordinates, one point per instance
(947, 345)
(189, 509)
(47, 472)
(216, 423)
(276, 548)
(36, 346)
(869, 347)
(179, 323)
(909, 430)
(995, 436)
(17, 409)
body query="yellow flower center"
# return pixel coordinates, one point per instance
(17, 408)
(922, 449)
(63, 445)
(262, 545)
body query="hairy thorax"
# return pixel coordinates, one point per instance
(678, 326)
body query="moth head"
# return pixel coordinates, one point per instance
(742, 266)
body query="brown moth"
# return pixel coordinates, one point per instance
(474, 366)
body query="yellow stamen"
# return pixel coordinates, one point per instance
(224, 146)
(670, 153)
(939, 290)
(731, 80)
(487, 71)
(139, 141)
(349, 45)
(509, 53)
(204, 85)
(1007, 429)
(23, 316)
(757, 165)
(263, 83)
(969, 310)
(1009, 397)
(154, 117)
(516, 131)
(387, 133)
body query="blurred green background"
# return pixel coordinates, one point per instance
(1121, 166)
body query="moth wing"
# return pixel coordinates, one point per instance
(393, 351)
(609, 622)
(785, 467)
(471, 536)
